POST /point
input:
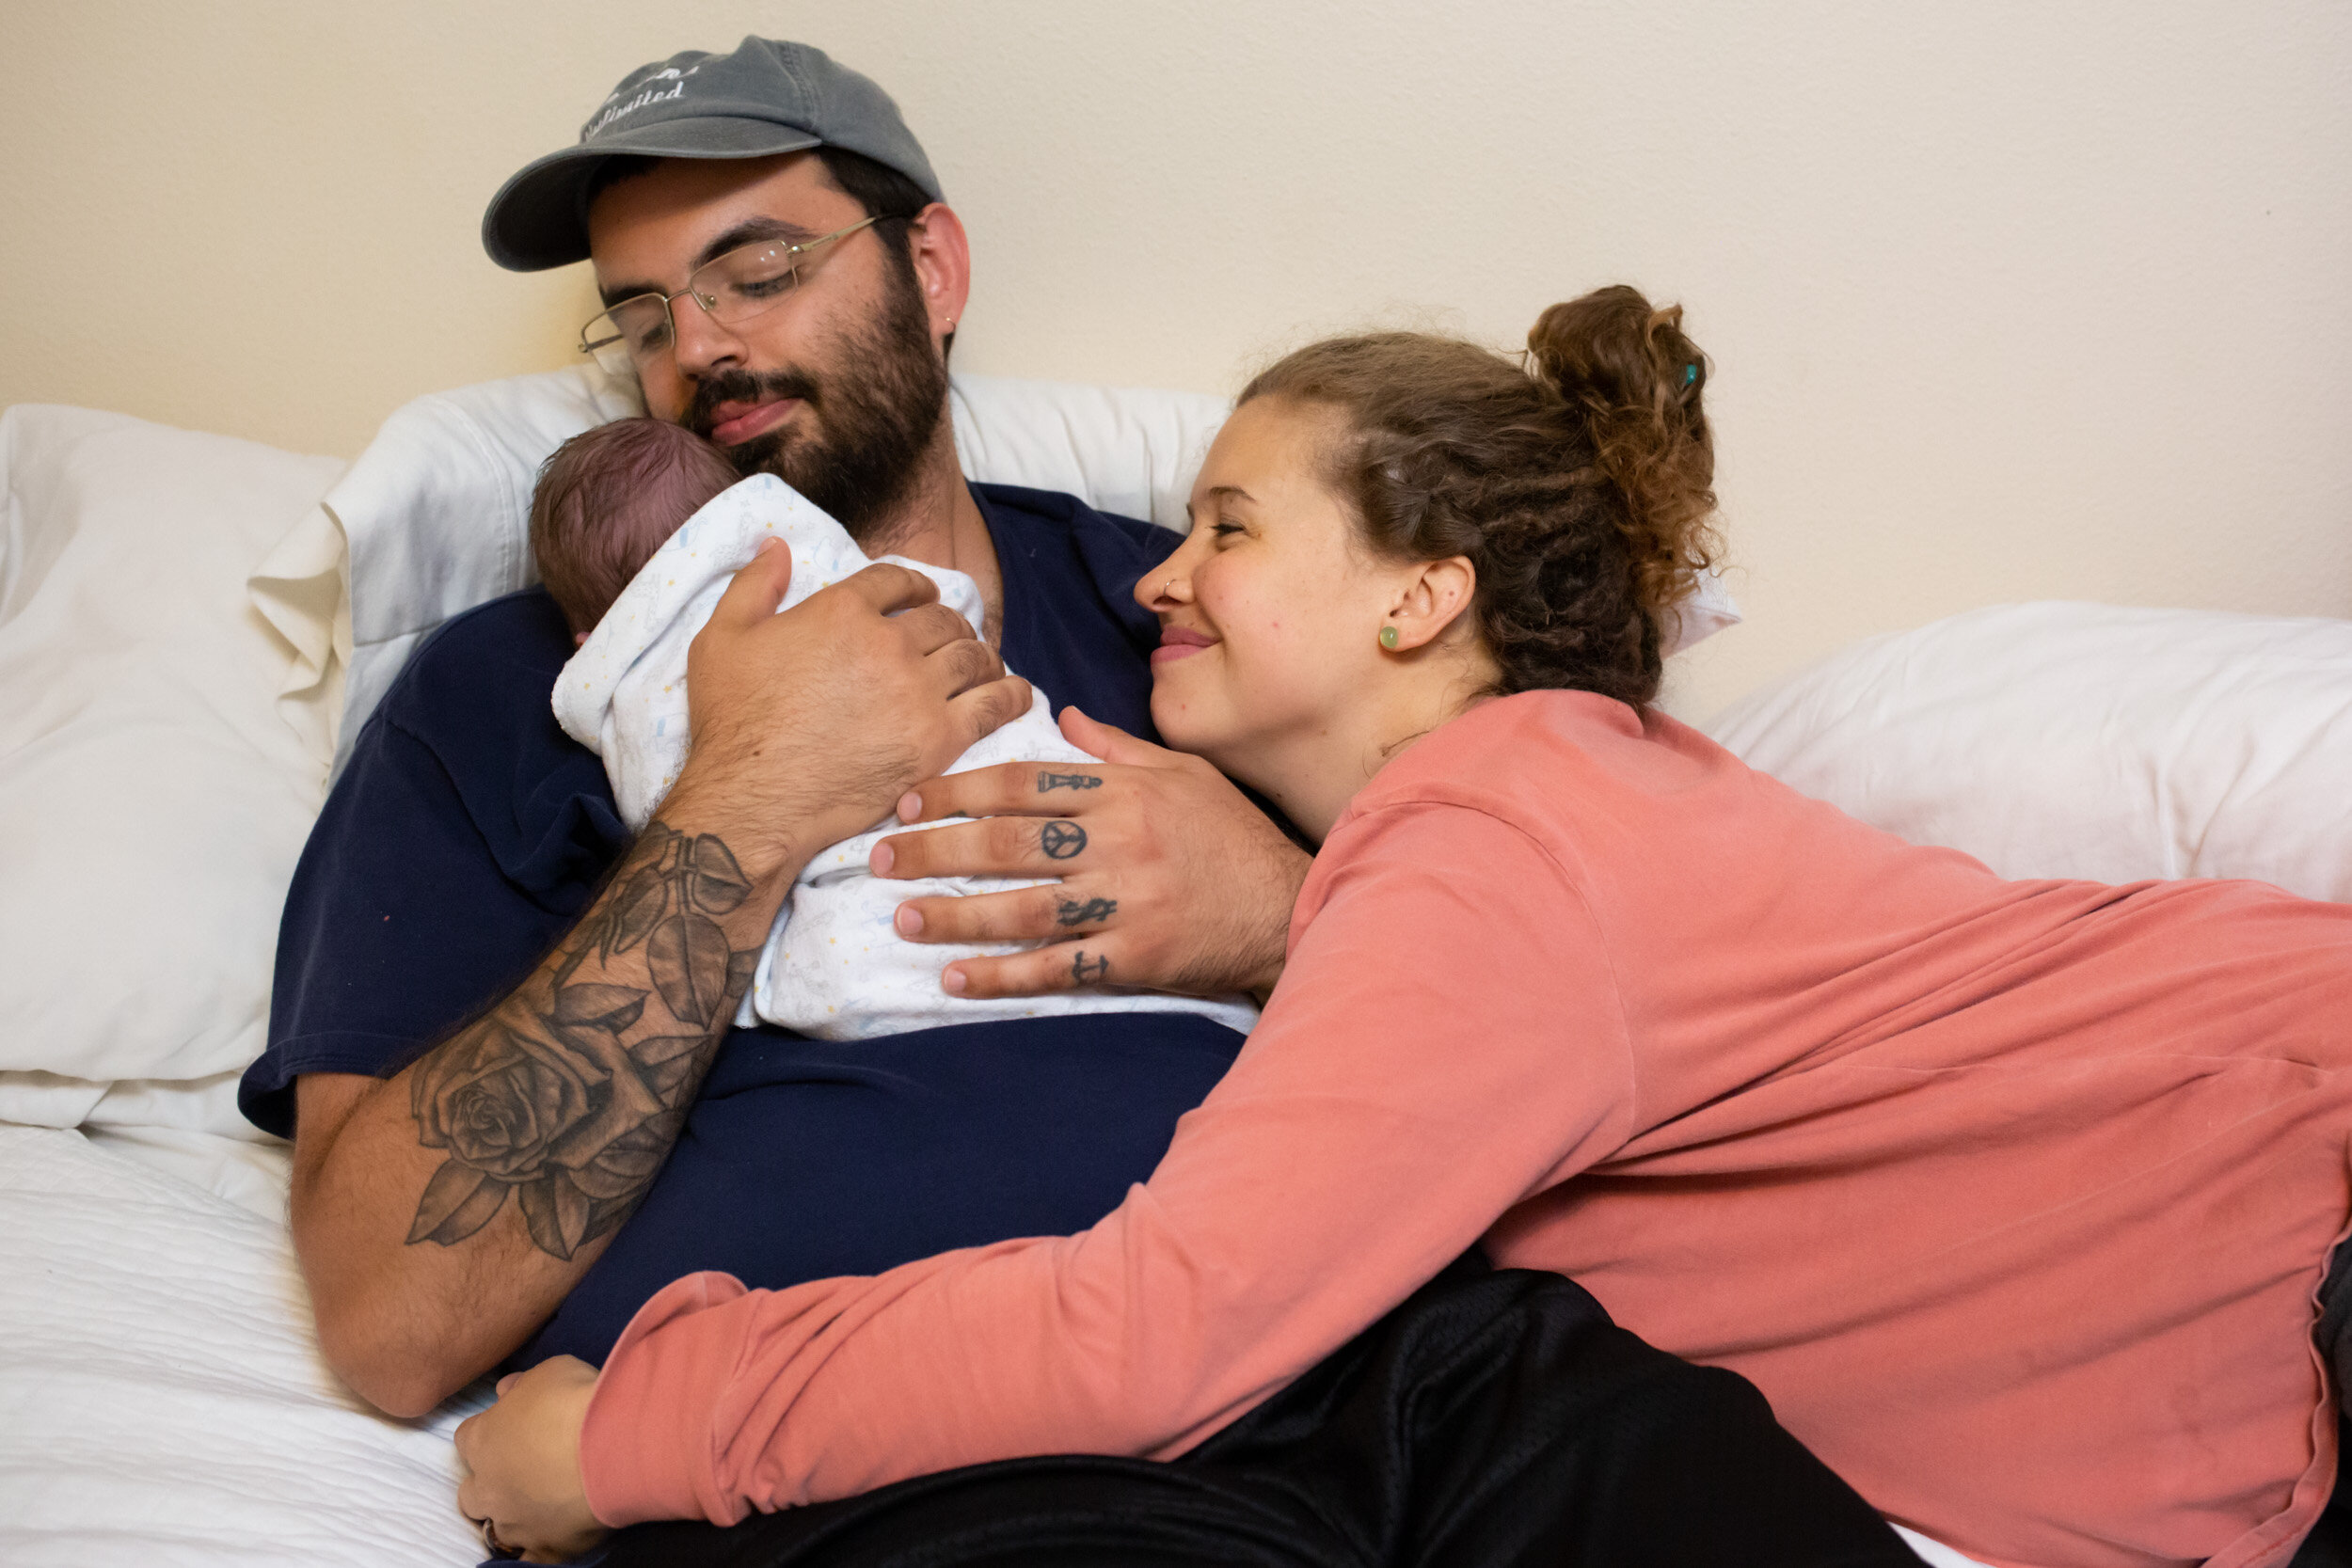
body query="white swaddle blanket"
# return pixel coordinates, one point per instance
(834, 966)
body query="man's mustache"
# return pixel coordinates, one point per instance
(700, 414)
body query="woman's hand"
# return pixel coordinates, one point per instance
(1170, 878)
(522, 1458)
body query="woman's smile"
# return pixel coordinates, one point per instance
(1179, 642)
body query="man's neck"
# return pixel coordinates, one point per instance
(940, 525)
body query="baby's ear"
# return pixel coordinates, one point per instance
(579, 639)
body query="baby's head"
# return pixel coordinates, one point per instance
(606, 501)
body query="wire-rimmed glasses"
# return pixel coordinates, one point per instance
(743, 283)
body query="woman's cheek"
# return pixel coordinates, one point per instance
(1183, 709)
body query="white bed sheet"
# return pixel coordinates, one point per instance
(158, 1333)
(159, 1330)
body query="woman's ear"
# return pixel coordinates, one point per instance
(1433, 597)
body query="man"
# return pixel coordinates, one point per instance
(496, 1060)
(500, 1040)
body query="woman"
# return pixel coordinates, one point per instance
(2015, 1197)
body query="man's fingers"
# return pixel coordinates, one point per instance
(989, 847)
(956, 667)
(1063, 966)
(932, 627)
(1009, 788)
(1108, 741)
(1062, 909)
(758, 587)
(888, 588)
(989, 703)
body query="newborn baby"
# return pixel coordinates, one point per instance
(638, 526)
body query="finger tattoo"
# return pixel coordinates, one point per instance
(1072, 913)
(1067, 781)
(1083, 969)
(1061, 840)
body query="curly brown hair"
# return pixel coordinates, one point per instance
(1576, 481)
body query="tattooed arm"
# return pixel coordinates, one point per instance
(441, 1214)
(568, 1100)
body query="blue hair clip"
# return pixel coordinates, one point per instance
(1690, 374)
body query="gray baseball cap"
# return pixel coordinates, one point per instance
(765, 98)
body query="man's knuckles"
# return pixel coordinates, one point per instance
(932, 626)
(964, 664)
(1022, 916)
(1012, 842)
(997, 700)
(1031, 974)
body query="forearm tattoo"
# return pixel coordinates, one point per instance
(1067, 781)
(571, 1098)
(1085, 970)
(1072, 911)
(1060, 840)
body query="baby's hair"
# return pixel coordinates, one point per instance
(606, 501)
(1576, 481)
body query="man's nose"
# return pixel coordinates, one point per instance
(703, 344)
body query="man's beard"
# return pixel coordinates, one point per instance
(877, 406)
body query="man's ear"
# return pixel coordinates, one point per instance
(1431, 599)
(943, 266)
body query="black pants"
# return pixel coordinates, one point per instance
(1494, 1418)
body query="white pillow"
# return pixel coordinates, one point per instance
(2083, 741)
(152, 799)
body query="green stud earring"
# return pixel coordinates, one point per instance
(1388, 637)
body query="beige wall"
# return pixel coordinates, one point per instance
(2006, 301)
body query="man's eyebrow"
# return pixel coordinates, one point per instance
(743, 233)
(750, 229)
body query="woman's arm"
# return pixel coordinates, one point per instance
(1447, 1041)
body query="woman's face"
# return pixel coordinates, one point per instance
(1271, 610)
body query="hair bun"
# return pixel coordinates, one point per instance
(1633, 384)
(1612, 350)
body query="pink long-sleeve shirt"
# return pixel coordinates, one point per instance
(2012, 1196)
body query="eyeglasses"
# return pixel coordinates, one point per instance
(744, 284)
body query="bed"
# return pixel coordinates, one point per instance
(192, 626)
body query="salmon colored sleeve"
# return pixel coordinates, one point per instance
(1447, 1039)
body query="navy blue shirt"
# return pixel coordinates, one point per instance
(469, 833)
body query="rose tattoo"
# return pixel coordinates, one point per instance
(562, 1108)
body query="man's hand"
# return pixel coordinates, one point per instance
(1170, 878)
(522, 1459)
(818, 718)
